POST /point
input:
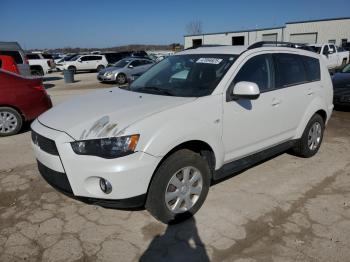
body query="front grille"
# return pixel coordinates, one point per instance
(44, 143)
(55, 179)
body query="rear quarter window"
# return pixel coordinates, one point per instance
(312, 68)
(14, 54)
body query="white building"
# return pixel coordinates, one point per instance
(336, 30)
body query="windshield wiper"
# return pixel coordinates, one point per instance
(156, 89)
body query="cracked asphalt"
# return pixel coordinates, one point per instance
(285, 209)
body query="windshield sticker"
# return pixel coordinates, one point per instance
(208, 60)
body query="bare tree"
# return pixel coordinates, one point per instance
(194, 27)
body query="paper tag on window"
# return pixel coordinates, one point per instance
(208, 60)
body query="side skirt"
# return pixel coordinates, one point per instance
(248, 161)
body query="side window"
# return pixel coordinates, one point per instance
(289, 70)
(0, 63)
(14, 54)
(135, 63)
(325, 50)
(32, 56)
(332, 48)
(84, 58)
(95, 58)
(256, 70)
(312, 67)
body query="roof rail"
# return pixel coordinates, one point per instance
(276, 43)
(194, 47)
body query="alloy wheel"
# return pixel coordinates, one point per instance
(8, 122)
(183, 189)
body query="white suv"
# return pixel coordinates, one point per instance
(195, 117)
(86, 63)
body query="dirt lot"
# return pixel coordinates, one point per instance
(285, 209)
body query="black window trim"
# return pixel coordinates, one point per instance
(229, 96)
(272, 76)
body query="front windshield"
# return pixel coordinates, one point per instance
(122, 63)
(74, 58)
(346, 69)
(192, 75)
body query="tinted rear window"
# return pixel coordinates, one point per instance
(14, 54)
(312, 67)
(47, 56)
(33, 56)
(289, 70)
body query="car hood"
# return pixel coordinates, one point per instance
(106, 113)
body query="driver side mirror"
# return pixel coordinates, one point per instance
(130, 66)
(245, 90)
(79, 60)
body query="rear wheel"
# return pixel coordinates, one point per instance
(10, 121)
(73, 68)
(37, 72)
(121, 79)
(343, 62)
(179, 187)
(311, 140)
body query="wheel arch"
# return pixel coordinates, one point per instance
(198, 146)
(24, 118)
(317, 107)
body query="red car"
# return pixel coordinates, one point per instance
(21, 99)
(8, 63)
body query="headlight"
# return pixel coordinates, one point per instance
(107, 147)
(109, 73)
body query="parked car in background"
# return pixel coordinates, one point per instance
(121, 71)
(14, 50)
(161, 142)
(86, 63)
(113, 57)
(21, 99)
(61, 62)
(8, 63)
(334, 56)
(341, 85)
(40, 64)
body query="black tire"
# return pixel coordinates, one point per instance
(18, 118)
(121, 79)
(343, 62)
(156, 203)
(72, 68)
(37, 72)
(301, 148)
(99, 68)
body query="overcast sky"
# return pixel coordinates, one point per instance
(103, 23)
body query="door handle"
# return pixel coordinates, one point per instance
(276, 102)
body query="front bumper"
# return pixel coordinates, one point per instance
(78, 176)
(104, 78)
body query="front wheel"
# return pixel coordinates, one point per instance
(100, 67)
(310, 142)
(121, 79)
(179, 187)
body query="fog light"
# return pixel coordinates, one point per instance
(105, 186)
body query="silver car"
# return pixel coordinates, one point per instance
(123, 70)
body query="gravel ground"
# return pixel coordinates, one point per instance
(285, 209)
